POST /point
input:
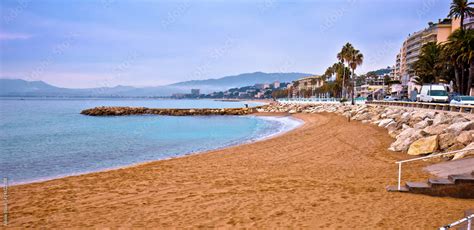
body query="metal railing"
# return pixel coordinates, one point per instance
(316, 100)
(467, 218)
(423, 105)
(422, 158)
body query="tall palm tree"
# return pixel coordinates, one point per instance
(460, 9)
(355, 59)
(343, 57)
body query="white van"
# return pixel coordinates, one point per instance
(433, 93)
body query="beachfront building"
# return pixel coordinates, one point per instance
(195, 92)
(469, 23)
(276, 85)
(373, 85)
(305, 87)
(411, 48)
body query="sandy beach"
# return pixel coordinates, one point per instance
(329, 173)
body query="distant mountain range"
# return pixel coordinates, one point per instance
(17, 87)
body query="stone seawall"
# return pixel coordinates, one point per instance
(415, 131)
(124, 111)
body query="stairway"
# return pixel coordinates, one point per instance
(459, 186)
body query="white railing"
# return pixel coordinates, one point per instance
(316, 100)
(467, 218)
(425, 105)
(422, 158)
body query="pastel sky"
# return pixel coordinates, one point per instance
(97, 43)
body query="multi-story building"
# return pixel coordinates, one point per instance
(307, 84)
(276, 84)
(411, 49)
(195, 92)
(469, 23)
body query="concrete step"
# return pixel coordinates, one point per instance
(462, 178)
(417, 185)
(440, 181)
(394, 188)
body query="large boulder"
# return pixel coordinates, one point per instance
(465, 137)
(405, 117)
(424, 146)
(362, 116)
(431, 114)
(423, 124)
(459, 119)
(457, 146)
(405, 138)
(457, 128)
(441, 118)
(446, 140)
(435, 129)
(385, 122)
(392, 126)
(394, 133)
(466, 153)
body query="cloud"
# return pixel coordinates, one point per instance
(13, 36)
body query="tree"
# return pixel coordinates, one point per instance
(459, 52)
(429, 66)
(328, 73)
(343, 57)
(296, 85)
(460, 9)
(355, 59)
(313, 84)
(467, 56)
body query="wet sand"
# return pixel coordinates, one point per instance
(328, 173)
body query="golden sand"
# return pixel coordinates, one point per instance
(329, 173)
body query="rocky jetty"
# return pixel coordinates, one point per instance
(124, 111)
(416, 131)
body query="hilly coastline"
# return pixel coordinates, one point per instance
(18, 87)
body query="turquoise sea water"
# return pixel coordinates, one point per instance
(47, 138)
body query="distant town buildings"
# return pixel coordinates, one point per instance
(195, 92)
(257, 91)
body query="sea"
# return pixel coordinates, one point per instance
(48, 138)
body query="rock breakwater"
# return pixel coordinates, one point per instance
(124, 111)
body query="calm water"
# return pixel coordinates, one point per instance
(48, 138)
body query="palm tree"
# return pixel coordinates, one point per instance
(460, 9)
(429, 66)
(313, 84)
(467, 56)
(295, 85)
(355, 59)
(340, 70)
(459, 52)
(328, 73)
(343, 58)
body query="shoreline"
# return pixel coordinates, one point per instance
(244, 142)
(314, 176)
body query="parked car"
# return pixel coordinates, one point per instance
(390, 98)
(370, 97)
(462, 100)
(433, 93)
